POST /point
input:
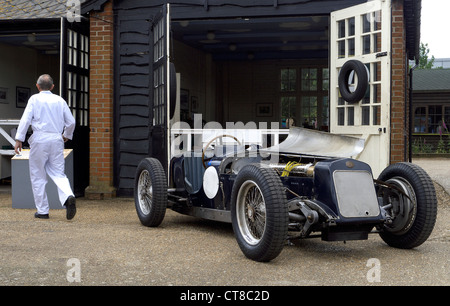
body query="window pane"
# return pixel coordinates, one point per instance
(366, 44)
(420, 120)
(341, 116)
(325, 112)
(447, 118)
(434, 117)
(351, 26)
(309, 79)
(376, 42)
(341, 49)
(350, 116)
(376, 115)
(365, 115)
(377, 20)
(341, 28)
(325, 79)
(309, 112)
(288, 111)
(288, 79)
(366, 22)
(351, 47)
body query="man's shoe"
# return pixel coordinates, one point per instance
(43, 216)
(71, 209)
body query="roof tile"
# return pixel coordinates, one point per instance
(29, 9)
(431, 80)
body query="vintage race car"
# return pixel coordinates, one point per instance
(307, 186)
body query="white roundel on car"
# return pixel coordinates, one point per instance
(211, 182)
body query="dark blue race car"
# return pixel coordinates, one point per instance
(307, 186)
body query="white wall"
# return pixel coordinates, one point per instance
(18, 67)
(21, 66)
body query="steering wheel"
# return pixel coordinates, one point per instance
(211, 141)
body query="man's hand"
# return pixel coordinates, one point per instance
(18, 147)
(65, 139)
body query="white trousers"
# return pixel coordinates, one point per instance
(47, 158)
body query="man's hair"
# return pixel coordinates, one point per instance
(45, 82)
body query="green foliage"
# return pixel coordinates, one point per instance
(424, 62)
(420, 146)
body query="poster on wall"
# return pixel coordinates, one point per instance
(3, 95)
(22, 96)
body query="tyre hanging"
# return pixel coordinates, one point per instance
(360, 71)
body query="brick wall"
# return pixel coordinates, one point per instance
(101, 104)
(399, 79)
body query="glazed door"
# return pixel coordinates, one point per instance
(74, 89)
(363, 33)
(160, 84)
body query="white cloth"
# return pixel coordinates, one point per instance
(50, 118)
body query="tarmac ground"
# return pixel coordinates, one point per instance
(105, 244)
(438, 169)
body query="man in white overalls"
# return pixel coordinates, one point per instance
(52, 124)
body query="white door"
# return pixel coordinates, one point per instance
(363, 33)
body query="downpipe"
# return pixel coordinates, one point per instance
(411, 119)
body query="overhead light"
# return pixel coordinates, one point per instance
(232, 47)
(31, 37)
(211, 35)
(184, 23)
(51, 52)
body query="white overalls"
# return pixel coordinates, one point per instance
(50, 118)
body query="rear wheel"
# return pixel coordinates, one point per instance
(150, 192)
(410, 201)
(259, 213)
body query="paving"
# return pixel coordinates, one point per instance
(106, 245)
(438, 169)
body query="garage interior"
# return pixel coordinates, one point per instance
(27, 50)
(30, 48)
(254, 70)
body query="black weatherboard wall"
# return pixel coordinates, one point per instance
(133, 90)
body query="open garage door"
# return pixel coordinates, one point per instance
(75, 90)
(360, 60)
(160, 86)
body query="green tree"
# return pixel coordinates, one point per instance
(424, 61)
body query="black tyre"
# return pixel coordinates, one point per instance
(259, 212)
(150, 192)
(363, 81)
(413, 210)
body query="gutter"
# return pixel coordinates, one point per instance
(411, 119)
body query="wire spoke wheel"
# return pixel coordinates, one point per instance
(251, 212)
(150, 192)
(259, 212)
(145, 192)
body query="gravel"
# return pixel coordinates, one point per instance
(113, 248)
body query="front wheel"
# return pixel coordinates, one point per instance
(150, 192)
(409, 199)
(259, 213)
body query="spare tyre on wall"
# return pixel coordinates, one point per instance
(343, 81)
